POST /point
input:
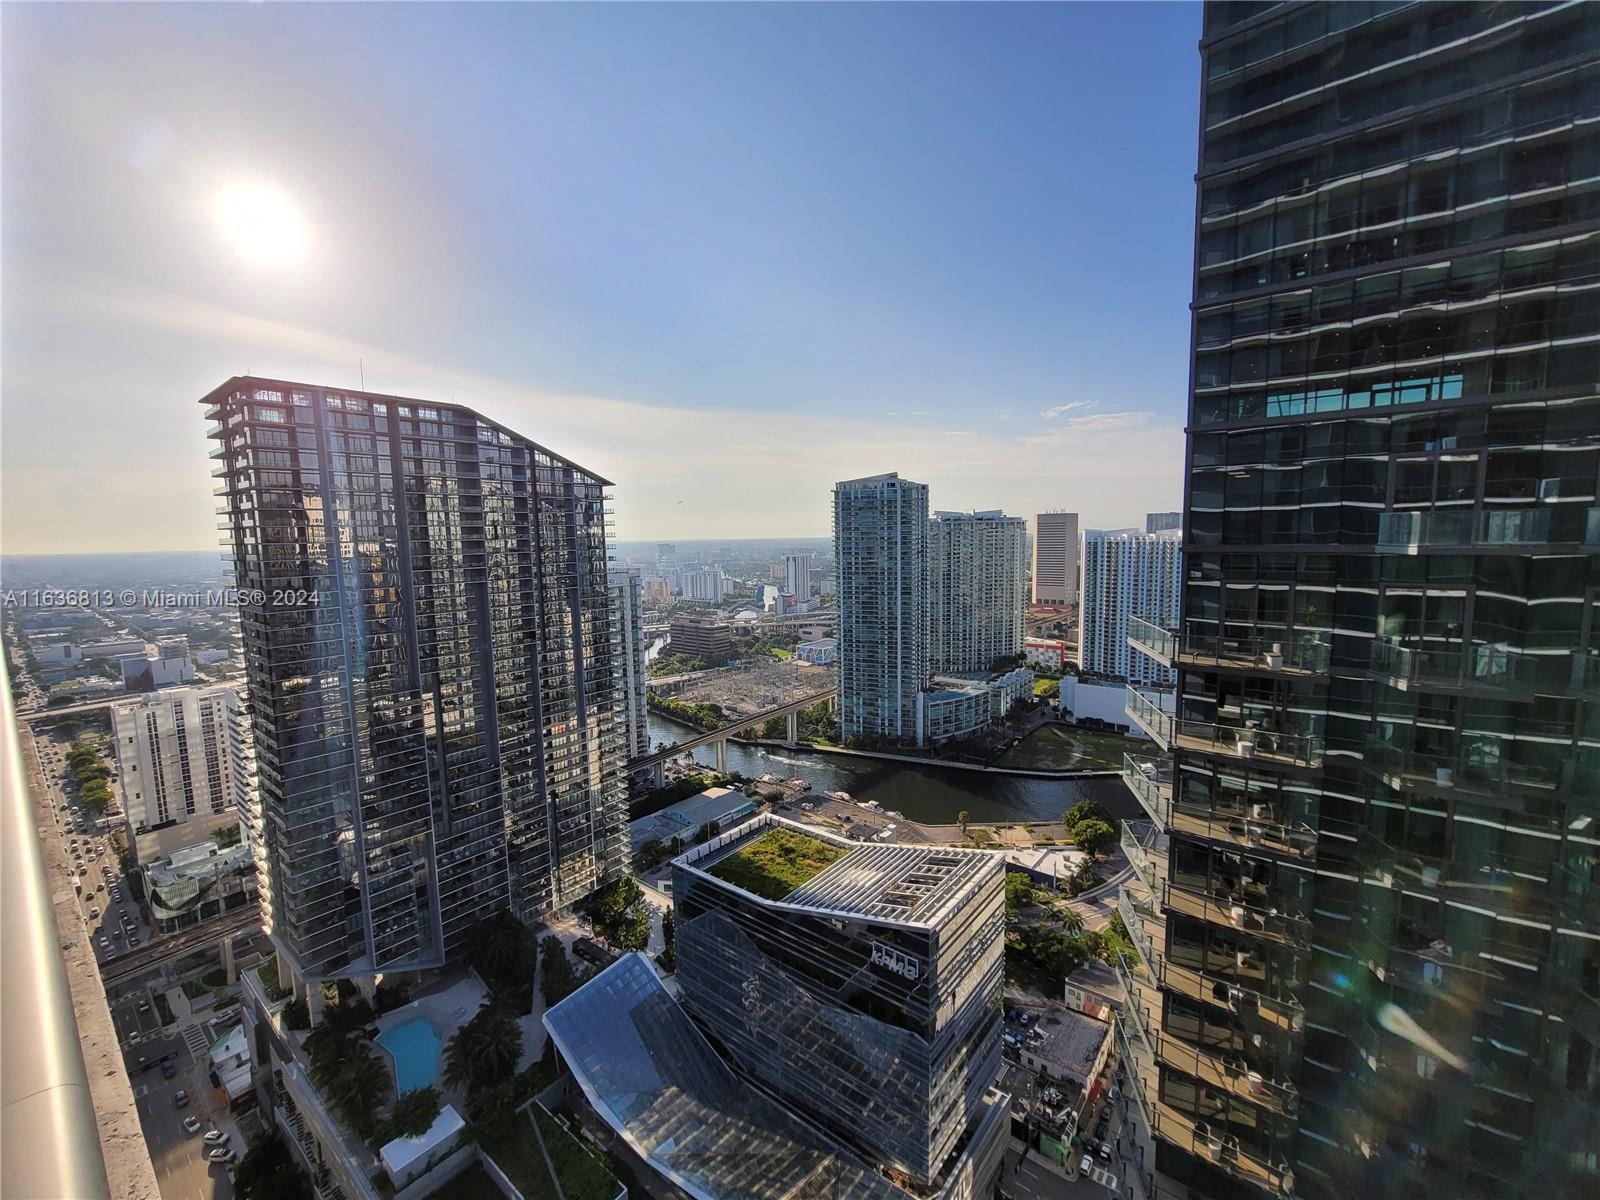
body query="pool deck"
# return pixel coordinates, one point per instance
(446, 1009)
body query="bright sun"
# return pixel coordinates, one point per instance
(262, 223)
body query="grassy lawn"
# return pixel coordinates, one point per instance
(776, 863)
(1052, 747)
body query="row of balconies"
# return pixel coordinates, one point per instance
(1458, 529)
(1277, 652)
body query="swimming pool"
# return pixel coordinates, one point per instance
(414, 1046)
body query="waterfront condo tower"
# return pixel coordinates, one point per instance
(1368, 922)
(880, 546)
(977, 579)
(429, 646)
(859, 985)
(1126, 576)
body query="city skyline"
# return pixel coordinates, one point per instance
(951, 331)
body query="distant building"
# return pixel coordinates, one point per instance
(797, 575)
(861, 987)
(709, 585)
(666, 553)
(56, 654)
(1125, 574)
(709, 638)
(1055, 558)
(656, 590)
(1086, 701)
(821, 653)
(627, 606)
(828, 587)
(977, 570)
(229, 1059)
(1067, 1048)
(175, 767)
(166, 666)
(112, 648)
(1162, 521)
(880, 534)
(200, 882)
(1045, 654)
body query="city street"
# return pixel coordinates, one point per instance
(179, 1157)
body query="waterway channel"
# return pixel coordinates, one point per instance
(932, 795)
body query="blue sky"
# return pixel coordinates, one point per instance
(723, 254)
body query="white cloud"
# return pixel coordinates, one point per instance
(1060, 410)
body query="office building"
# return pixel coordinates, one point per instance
(1367, 925)
(433, 697)
(708, 638)
(163, 666)
(857, 983)
(977, 581)
(1124, 576)
(797, 575)
(880, 546)
(627, 604)
(175, 767)
(1162, 521)
(1055, 558)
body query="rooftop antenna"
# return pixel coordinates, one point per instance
(361, 365)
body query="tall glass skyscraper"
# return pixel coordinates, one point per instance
(880, 546)
(429, 650)
(1367, 916)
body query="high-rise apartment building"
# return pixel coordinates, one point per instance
(1124, 576)
(428, 643)
(977, 579)
(1162, 521)
(709, 585)
(797, 575)
(1055, 558)
(1367, 916)
(627, 604)
(880, 543)
(176, 766)
(860, 984)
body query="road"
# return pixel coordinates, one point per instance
(179, 1157)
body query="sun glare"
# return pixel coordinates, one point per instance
(262, 224)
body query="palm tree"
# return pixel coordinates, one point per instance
(361, 1086)
(962, 818)
(484, 1050)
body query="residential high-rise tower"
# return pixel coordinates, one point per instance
(1368, 914)
(428, 643)
(627, 602)
(1125, 576)
(880, 540)
(977, 565)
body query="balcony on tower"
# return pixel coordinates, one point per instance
(1287, 652)
(1152, 710)
(1152, 640)
(1150, 781)
(1514, 530)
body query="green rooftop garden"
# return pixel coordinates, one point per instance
(777, 862)
(515, 1151)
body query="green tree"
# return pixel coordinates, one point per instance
(962, 818)
(413, 1114)
(1019, 892)
(1084, 810)
(669, 933)
(269, 1172)
(558, 980)
(1094, 836)
(484, 1050)
(360, 1088)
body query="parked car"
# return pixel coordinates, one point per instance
(181, 1098)
(144, 1006)
(191, 1124)
(168, 1069)
(134, 1037)
(1105, 1151)
(222, 1154)
(1086, 1165)
(216, 1137)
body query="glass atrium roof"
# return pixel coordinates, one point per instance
(654, 1078)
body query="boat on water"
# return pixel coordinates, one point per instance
(769, 777)
(844, 796)
(800, 784)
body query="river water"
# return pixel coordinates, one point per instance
(932, 795)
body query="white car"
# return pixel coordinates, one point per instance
(1087, 1163)
(222, 1154)
(134, 1037)
(191, 1124)
(216, 1137)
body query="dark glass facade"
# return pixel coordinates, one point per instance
(1374, 955)
(883, 1028)
(428, 641)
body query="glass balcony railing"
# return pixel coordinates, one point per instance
(1250, 741)
(1585, 678)
(1491, 878)
(1279, 651)
(1479, 665)
(1258, 829)
(1146, 847)
(1196, 1136)
(1151, 640)
(1482, 765)
(1415, 530)
(1229, 1072)
(1233, 912)
(1136, 910)
(1150, 781)
(1153, 712)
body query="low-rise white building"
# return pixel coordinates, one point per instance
(822, 653)
(960, 705)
